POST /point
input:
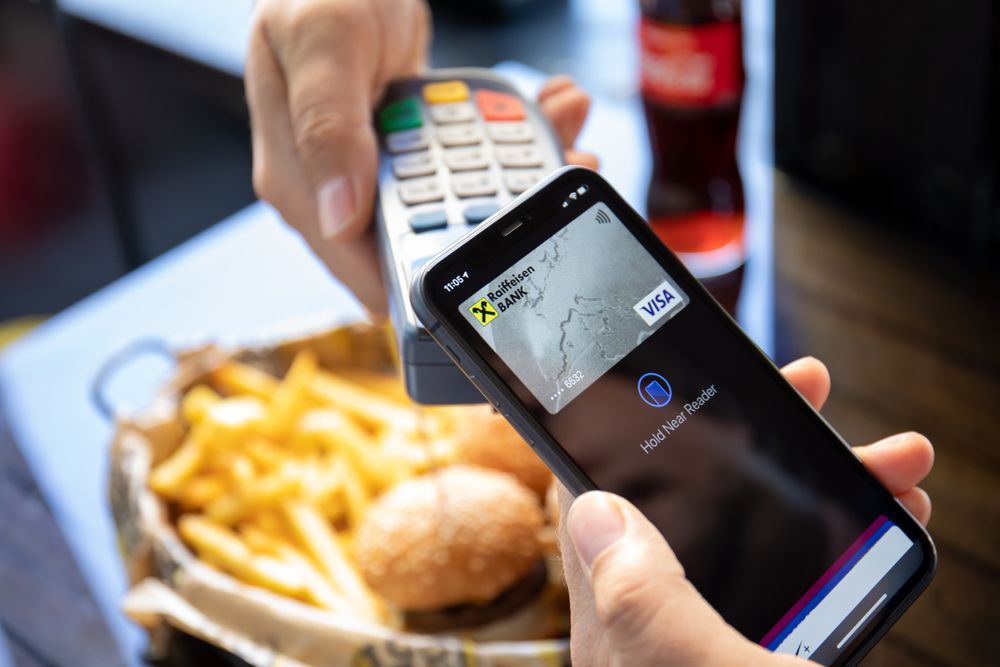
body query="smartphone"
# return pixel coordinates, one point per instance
(623, 374)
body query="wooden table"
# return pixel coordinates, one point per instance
(41, 583)
(910, 333)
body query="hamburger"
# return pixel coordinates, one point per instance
(493, 443)
(457, 551)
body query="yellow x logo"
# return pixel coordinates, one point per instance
(484, 311)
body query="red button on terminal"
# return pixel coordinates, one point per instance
(494, 105)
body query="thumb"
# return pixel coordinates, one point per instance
(336, 57)
(343, 164)
(642, 599)
(337, 146)
(330, 63)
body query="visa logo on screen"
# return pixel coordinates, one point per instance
(663, 300)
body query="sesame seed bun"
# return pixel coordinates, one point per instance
(461, 535)
(489, 441)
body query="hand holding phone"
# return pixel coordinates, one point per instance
(625, 376)
(639, 578)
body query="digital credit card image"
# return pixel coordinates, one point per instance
(568, 311)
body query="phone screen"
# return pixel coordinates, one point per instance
(628, 367)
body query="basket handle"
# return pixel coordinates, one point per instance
(116, 362)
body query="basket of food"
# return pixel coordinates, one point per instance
(289, 505)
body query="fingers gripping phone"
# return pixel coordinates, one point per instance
(624, 375)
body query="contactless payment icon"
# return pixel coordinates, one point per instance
(484, 311)
(654, 390)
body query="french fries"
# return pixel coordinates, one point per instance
(169, 476)
(274, 475)
(289, 399)
(202, 490)
(223, 547)
(316, 589)
(234, 378)
(197, 402)
(317, 538)
(367, 406)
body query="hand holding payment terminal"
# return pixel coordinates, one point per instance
(456, 146)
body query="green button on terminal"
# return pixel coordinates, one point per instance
(402, 114)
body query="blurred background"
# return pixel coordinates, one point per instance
(870, 155)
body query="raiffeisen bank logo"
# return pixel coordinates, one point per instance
(506, 294)
(484, 312)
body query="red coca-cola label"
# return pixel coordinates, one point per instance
(691, 65)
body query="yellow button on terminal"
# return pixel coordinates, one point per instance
(442, 92)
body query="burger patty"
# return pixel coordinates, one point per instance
(463, 616)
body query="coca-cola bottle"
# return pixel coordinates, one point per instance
(692, 85)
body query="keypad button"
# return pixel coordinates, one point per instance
(428, 220)
(466, 134)
(453, 112)
(473, 184)
(406, 141)
(466, 159)
(413, 164)
(478, 212)
(402, 114)
(420, 191)
(519, 156)
(519, 180)
(442, 92)
(516, 132)
(494, 105)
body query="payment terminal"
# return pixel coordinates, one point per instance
(456, 145)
